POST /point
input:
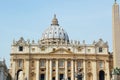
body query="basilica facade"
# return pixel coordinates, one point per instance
(55, 57)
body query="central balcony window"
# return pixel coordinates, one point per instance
(61, 63)
(42, 63)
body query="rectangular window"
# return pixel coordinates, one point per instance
(33, 49)
(69, 63)
(101, 64)
(79, 63)
(61, 63)
(20, 63)
(89, 50)
(42, 63)
(100, 49)
(20, 48)
(53, 63)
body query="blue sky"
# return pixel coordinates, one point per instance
(87, 20)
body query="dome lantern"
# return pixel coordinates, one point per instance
(55, 21)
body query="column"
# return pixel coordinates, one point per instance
(47, 77)
(75, 68)
(27, 69)
(50, 76)
(66, 70)
(14, 71)
(107, 71)
(57, 70)
(72, 70)
(84, 70)
(37, 70)
(94, 67)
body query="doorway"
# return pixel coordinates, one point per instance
(101, 75)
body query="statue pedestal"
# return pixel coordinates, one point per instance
(116, 77)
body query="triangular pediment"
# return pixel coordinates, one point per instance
(61, 51)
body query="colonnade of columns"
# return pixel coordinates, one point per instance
(49, 70)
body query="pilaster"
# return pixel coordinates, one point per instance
(94, 68)
(47, 70)
(107, 70)
(14, 70)
(50, 76)
(84, 70)
(27, 69)
(76, 68)
(56, 70)
(37, 70)
(66, 70)
(72, 70)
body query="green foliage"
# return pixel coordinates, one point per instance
(116, 71)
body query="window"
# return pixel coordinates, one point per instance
(89, 64)
(101, 64)
(79, 63)
(33, 49)
(53, 63)
(54, 49)
(89, 50)
(20, 48)
(42, 63)
(20, 63)
(11, 64)
(69, 64)
(79, 50)
(61, 63)
(68, 49)
(100, 49)
(43, 48)
(55, 32)
(32, 63)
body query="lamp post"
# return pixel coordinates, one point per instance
(79, 74)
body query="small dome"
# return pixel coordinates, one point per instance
(55, 33)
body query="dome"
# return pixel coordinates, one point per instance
(55, 33)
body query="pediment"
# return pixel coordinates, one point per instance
(101, 43)
(61, 51)
(20, 42)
